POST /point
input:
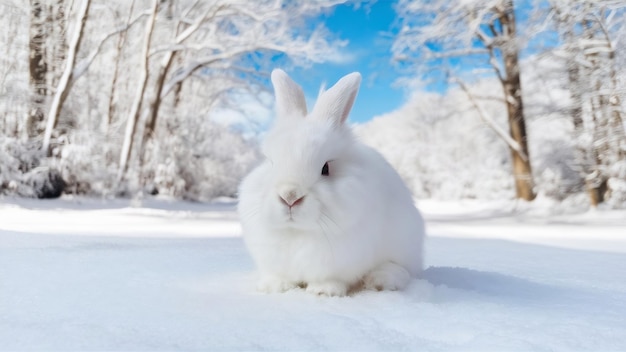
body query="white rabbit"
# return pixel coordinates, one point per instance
(324, 211)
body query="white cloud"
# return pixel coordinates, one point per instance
(342, 57)
(246, 111)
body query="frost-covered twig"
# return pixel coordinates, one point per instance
(489, 122)
(84, 64)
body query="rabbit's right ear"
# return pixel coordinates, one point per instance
(289, 96)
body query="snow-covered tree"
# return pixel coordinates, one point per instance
(442, 40)
(591, 33)
(198, 52)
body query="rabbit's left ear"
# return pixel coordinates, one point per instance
(289, 96)
(335, 104)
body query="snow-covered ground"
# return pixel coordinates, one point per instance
(94, 275)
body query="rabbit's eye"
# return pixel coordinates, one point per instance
(325, 169)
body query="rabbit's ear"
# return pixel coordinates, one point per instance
(289, 96)
(335, 104)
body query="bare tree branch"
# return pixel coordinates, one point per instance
(489, 121)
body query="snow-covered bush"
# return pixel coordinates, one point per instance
(195, 162)
(24, 172)
(198, 162)
(45, 182)
(88, 165)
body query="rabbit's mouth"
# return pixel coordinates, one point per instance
(290, 216)
(292, 219)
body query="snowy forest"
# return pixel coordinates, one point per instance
(507, 99)
(137, 120)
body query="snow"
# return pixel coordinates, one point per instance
(79, 274)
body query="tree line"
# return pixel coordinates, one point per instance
(115, 97)
(448, 37)
(130, 86)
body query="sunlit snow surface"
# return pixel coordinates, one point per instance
(105, 275)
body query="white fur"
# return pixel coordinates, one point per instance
(357, 226)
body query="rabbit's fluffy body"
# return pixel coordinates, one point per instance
(355, 225)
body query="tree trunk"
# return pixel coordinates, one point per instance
(588, 162)
(153, 110)
(166, 65)
(596, 191)
(178, 92)
(512, 86)
(617, 126)
(133, 117)
(65, 82)
(155, 105)
(583, 90)
(617, 112)
(120, 46)
(57, 30)
(38, 68)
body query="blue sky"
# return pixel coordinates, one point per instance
(370, 30)
(367, 28)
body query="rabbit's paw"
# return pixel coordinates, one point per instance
(388, 276)
(273, 284)
(327, 288)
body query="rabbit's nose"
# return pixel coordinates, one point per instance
(291, 202)
(290, 196)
